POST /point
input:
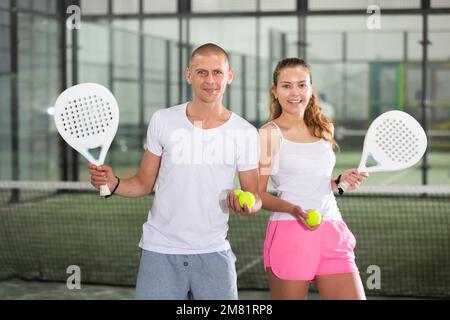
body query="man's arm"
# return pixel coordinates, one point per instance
(143, 181)
(139, 185)
(249, 182)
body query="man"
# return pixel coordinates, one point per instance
(193, 152)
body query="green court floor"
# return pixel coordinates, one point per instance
(33, 290)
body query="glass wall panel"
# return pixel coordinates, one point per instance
(38, 85)
(440, 3)
(94, 7)
(438, 94)
(5, 94)
(280, 5)
(360, 72)
(223, 5)
(160, 6)
(358, 4)
(5, 128)
(125, 6)
(43, 6)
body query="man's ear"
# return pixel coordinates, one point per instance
(230, 76)
(187, 74)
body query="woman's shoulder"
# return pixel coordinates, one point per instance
(268, 126)
(272, 125)
(271, 136)
(270, 129)
(330, 127)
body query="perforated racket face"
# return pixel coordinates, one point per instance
(395, 140)
(87, 116)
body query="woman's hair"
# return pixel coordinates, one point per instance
(313, 117)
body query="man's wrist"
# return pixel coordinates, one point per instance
(115, 188)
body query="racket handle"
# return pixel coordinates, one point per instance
(104, 190)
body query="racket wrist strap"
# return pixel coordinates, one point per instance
(338, 181)
(115, 188)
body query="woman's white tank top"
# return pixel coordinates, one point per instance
(301, 174)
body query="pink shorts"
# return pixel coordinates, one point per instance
(294, 252)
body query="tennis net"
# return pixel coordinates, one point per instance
(403, 236)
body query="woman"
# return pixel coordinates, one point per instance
(297, 154)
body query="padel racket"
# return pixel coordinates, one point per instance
(394, 141)
(87, 116)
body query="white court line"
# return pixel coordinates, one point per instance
(250, 265)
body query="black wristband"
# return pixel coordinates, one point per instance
(337, 181)
(115, 188)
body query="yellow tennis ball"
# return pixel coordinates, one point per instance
(237, 192)
(314, 218)
(247, 198)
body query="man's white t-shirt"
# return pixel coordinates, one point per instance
(198, 167)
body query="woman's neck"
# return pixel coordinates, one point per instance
(292, 120)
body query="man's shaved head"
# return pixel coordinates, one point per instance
(208, 49)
